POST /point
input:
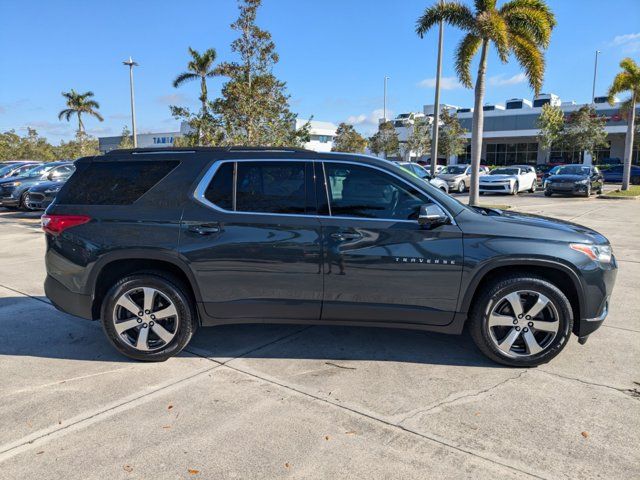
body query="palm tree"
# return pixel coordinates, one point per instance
(77, 104)
(519, 27)
(627, 80)
(200, 67)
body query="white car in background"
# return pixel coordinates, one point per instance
(511, 180)
(424, 174)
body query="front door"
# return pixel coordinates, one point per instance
(254, 242)
(380, 265)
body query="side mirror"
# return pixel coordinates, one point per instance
(51, 176)
(432, 216)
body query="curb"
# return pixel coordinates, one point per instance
(610, 197)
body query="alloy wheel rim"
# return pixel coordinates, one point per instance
(145, 319)
(523, 323)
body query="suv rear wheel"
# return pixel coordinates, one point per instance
(148, 316)
(521, 321)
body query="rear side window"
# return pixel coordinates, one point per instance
(113, 183)
(262, 187)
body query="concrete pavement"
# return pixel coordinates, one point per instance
(274, 401)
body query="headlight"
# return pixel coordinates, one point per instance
(583, 182)
(52, 190)
(598, 253)
(13, 184)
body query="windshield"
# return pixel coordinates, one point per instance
(505, 171)
(38, 171)
(454, 169)
(555, 169)
(573, 170)
(6, 169)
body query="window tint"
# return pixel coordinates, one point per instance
(271, 187)
(356, 191)
(220, 190)
(113, 183)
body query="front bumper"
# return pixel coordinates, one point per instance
(495, 187)
(39, 201)
(566, 188)
(67, 301)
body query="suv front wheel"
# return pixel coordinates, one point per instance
(148, 316)
(521, 321)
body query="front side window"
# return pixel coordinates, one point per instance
(260, 187)
(363, 192)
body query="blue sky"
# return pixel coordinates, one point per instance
(333, 56)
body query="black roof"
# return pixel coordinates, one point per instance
(133, 151)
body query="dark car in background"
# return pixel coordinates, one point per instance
(575, 180)
(40, 196)
(13, 191)
(542, 171)
(156, 245)
(15, 169)
(614, 174)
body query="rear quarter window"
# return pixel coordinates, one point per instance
(113, 183)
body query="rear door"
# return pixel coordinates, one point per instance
(379, 264)
(253, 241)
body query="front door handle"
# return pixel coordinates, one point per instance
(342, 236)
(205, 228)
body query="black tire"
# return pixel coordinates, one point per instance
(534, 186)
(170, 287)
(516, 186)
(548, 193)
(587, 192)
(480, 193)
(494, 292)
(635, 180)
(462, 187)
(22, 204)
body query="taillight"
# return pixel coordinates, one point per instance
(56, 224)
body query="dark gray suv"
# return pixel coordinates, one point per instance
(155, 243)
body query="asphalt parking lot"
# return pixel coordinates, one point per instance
(269, 401)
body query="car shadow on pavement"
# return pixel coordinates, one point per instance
(30, 326)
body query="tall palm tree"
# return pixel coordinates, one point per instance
(79, 104)
(519, 27)
(628, 80)
(200, 67)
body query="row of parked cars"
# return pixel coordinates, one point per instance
(32, 185)
(556, 178)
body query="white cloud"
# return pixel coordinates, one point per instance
(630, 42)
(370, 120)
(500, 81)
(446, 83)
(49, 128)
(626, 38)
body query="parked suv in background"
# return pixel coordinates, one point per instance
(13, 191)
(156, 243)
(40, 196)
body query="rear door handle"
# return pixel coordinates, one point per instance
(342, 236)
(205, 228)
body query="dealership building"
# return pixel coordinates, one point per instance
(510, 131)
(321, 136)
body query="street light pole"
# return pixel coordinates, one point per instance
(595, 74)
(384, 105)
(436, 112)
(132, 64)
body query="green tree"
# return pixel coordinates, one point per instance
(385, 140)
(28, 147)
(419, 141)
(204, 128)
(551, 125)
(127, 139)
(79, 104)
(520, 27)
(628, 80)
(82, 145)
(584, 131)
(200, 67)
(348, 140)
(254, 107)
(451, 139)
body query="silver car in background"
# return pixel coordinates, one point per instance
(424, 174)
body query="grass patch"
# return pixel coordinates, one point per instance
(634, 191)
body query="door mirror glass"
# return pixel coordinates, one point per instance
(432, 216)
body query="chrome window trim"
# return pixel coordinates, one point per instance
(201, 188)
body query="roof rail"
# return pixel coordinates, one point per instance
(149, 151)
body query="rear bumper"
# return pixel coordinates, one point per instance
(67, 301)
